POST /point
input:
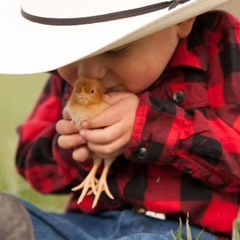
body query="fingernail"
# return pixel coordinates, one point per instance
(84, 124)
(82, 133)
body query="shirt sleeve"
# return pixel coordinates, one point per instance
(201, 140)
(39, 159)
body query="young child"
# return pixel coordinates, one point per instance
(173, 125)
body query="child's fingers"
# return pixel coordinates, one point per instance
(70, 141)
(81, 154)
(111, 150)
(65, 127)
(104, 119)
(102, 135)
(123, 106)
(66, 114)
(120, 131)
(114, 97)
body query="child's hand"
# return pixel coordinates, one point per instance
(70, 138)
(108, 133)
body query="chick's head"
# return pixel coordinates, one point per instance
(88, 91)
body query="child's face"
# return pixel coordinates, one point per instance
(132, 67)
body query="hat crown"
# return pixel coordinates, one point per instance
(37, 39)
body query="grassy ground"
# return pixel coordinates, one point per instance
(17, 98)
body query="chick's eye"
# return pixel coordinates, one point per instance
(116, 53)
(93, 91)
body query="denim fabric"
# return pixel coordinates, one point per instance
(114, 225)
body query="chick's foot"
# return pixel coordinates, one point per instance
(90, 183)
(102, 185)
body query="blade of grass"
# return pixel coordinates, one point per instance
(236, 228)
(188, 229)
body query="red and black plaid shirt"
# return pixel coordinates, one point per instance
(184, 154)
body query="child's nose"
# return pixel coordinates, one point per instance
(92, 68)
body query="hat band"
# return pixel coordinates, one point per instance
(103, 17)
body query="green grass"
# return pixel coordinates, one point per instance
(18, 95)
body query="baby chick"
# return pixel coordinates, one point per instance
(85, 102)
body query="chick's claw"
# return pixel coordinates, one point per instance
(90, 183)
(102, 185)
(88, 186)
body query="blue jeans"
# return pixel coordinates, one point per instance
(114, 225)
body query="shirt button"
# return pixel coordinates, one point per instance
(179, 97)
(189, 171)
(142, 153)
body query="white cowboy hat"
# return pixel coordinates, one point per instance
(42, 35)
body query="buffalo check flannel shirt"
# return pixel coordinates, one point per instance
(184, 154)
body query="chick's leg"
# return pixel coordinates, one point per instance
(102, 183)
(89, 184)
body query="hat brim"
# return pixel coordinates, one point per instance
(27, 47)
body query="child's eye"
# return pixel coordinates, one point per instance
(119, 52)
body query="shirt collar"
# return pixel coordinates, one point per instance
(190, 56)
